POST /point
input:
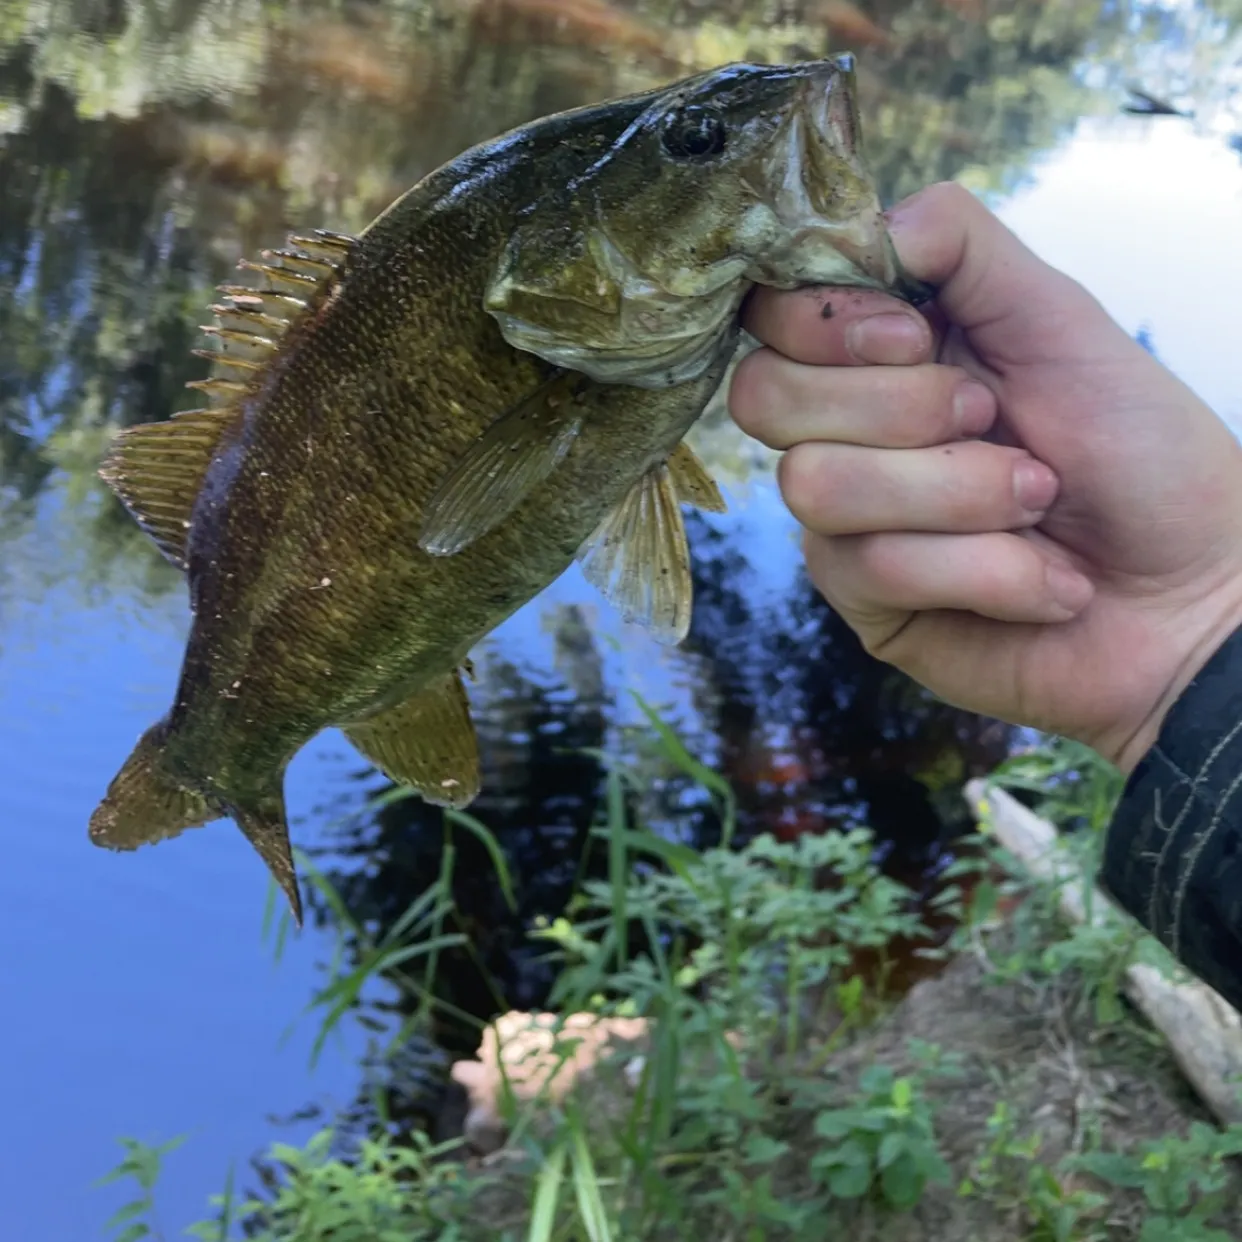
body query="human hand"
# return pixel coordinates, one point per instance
(1043, 525)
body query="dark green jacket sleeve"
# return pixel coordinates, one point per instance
(1173, 851)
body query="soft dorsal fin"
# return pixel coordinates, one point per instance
(427, 742)
(157, 469)
(694, 486)
(639, 560)
(503, 466)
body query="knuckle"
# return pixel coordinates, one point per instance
(925, 406)
(751, 390)
(953, 194)
(878, 565)
(976, 486)
(804, 475)
(950, 200)
(915, 405)
(797, 475)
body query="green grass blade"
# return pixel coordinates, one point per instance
(494, 852)
(618, 864)
(547, 1196)
(586, 1186)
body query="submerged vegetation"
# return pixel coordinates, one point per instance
(778, 1087)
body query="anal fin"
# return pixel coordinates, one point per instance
(638, 558)
(427, 742)
(157, 470)
(503, 466)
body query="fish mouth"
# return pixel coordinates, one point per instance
(824, 195)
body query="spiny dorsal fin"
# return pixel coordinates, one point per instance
(503, 466)
(427, 742)
(639, 560)
(157, 469)
(296, 280)
(252, 322)
(694, 486)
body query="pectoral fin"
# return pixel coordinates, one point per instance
(639, 560)
(503, 467)
(694, 486)
(428, 742)
(157, 469)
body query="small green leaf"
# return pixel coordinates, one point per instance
(902, 1183)
(128, 1212)
(902, 1094)
(891, 1146)
(852, 1181)
(837, 1123)
(1112, 1167)
(762, 1149)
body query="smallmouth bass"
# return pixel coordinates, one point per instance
(413, 432)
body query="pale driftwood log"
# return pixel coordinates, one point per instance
(1202, 1030)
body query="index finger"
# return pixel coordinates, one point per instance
(812, 325)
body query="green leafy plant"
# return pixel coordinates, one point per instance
(1009, 1172)
(142, 1164)
(885, 1142)
(385, 1192)
(744, 964)
(1074, 786)
(1184, 1181)
(136, 1219)
(1059, 1211)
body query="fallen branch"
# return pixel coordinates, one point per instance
(1202, 1030)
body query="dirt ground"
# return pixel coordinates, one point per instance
(1062, 1077)
(1076, 1085)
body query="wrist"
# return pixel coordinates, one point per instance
(1217, 624)
(1173, 847)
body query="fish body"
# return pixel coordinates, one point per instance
(415, 431)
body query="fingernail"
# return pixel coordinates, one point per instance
(1034, 486)
(888, 340)
(1067, 587)
(974, 408)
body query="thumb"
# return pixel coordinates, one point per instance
(1014, 308)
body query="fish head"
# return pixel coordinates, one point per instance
(635, 268)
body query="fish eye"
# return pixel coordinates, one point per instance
(694, 133)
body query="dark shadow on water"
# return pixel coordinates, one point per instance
(813, 734)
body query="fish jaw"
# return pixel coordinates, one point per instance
(824, 204)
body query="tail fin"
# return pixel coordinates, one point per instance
(145, 803)
(267, 829)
